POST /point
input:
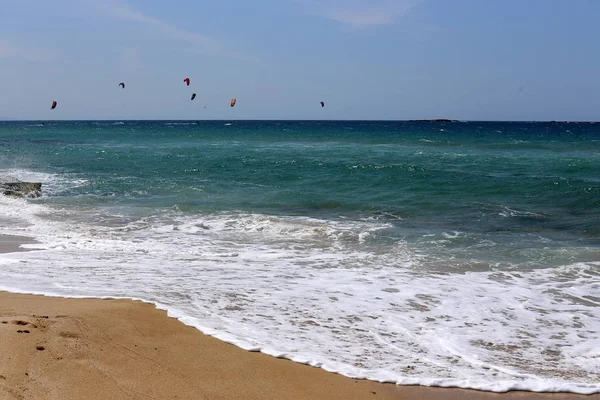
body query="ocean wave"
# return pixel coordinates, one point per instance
(305, 289)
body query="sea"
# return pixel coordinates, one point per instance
(452, 254)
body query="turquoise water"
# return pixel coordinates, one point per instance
(409, 218)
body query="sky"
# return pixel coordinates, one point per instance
(366, 59)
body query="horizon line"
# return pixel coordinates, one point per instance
(431, 120)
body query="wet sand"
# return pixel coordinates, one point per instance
(12, 244)
(56, 348)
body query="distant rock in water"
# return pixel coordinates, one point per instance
(574, 122)
(433, 120)
(10, 186)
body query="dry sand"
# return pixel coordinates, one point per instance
(56, 348)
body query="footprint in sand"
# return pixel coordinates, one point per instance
(23, 323)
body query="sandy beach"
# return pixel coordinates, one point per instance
(56, 348)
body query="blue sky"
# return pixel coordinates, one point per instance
(367, 59)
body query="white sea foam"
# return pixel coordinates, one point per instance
(27, 175)
(314, 291)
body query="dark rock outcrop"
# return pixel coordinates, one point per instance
(434, 120)
(13, 187)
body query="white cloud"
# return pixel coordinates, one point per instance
(360, 13)
(9, 49)
(120, 10)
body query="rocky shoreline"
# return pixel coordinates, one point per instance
(10, 186)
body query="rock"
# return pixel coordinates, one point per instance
(434, 120)
(13, 187)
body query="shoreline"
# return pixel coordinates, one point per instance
(63, 348)
(117, 348)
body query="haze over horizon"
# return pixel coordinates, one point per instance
(367, 60)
